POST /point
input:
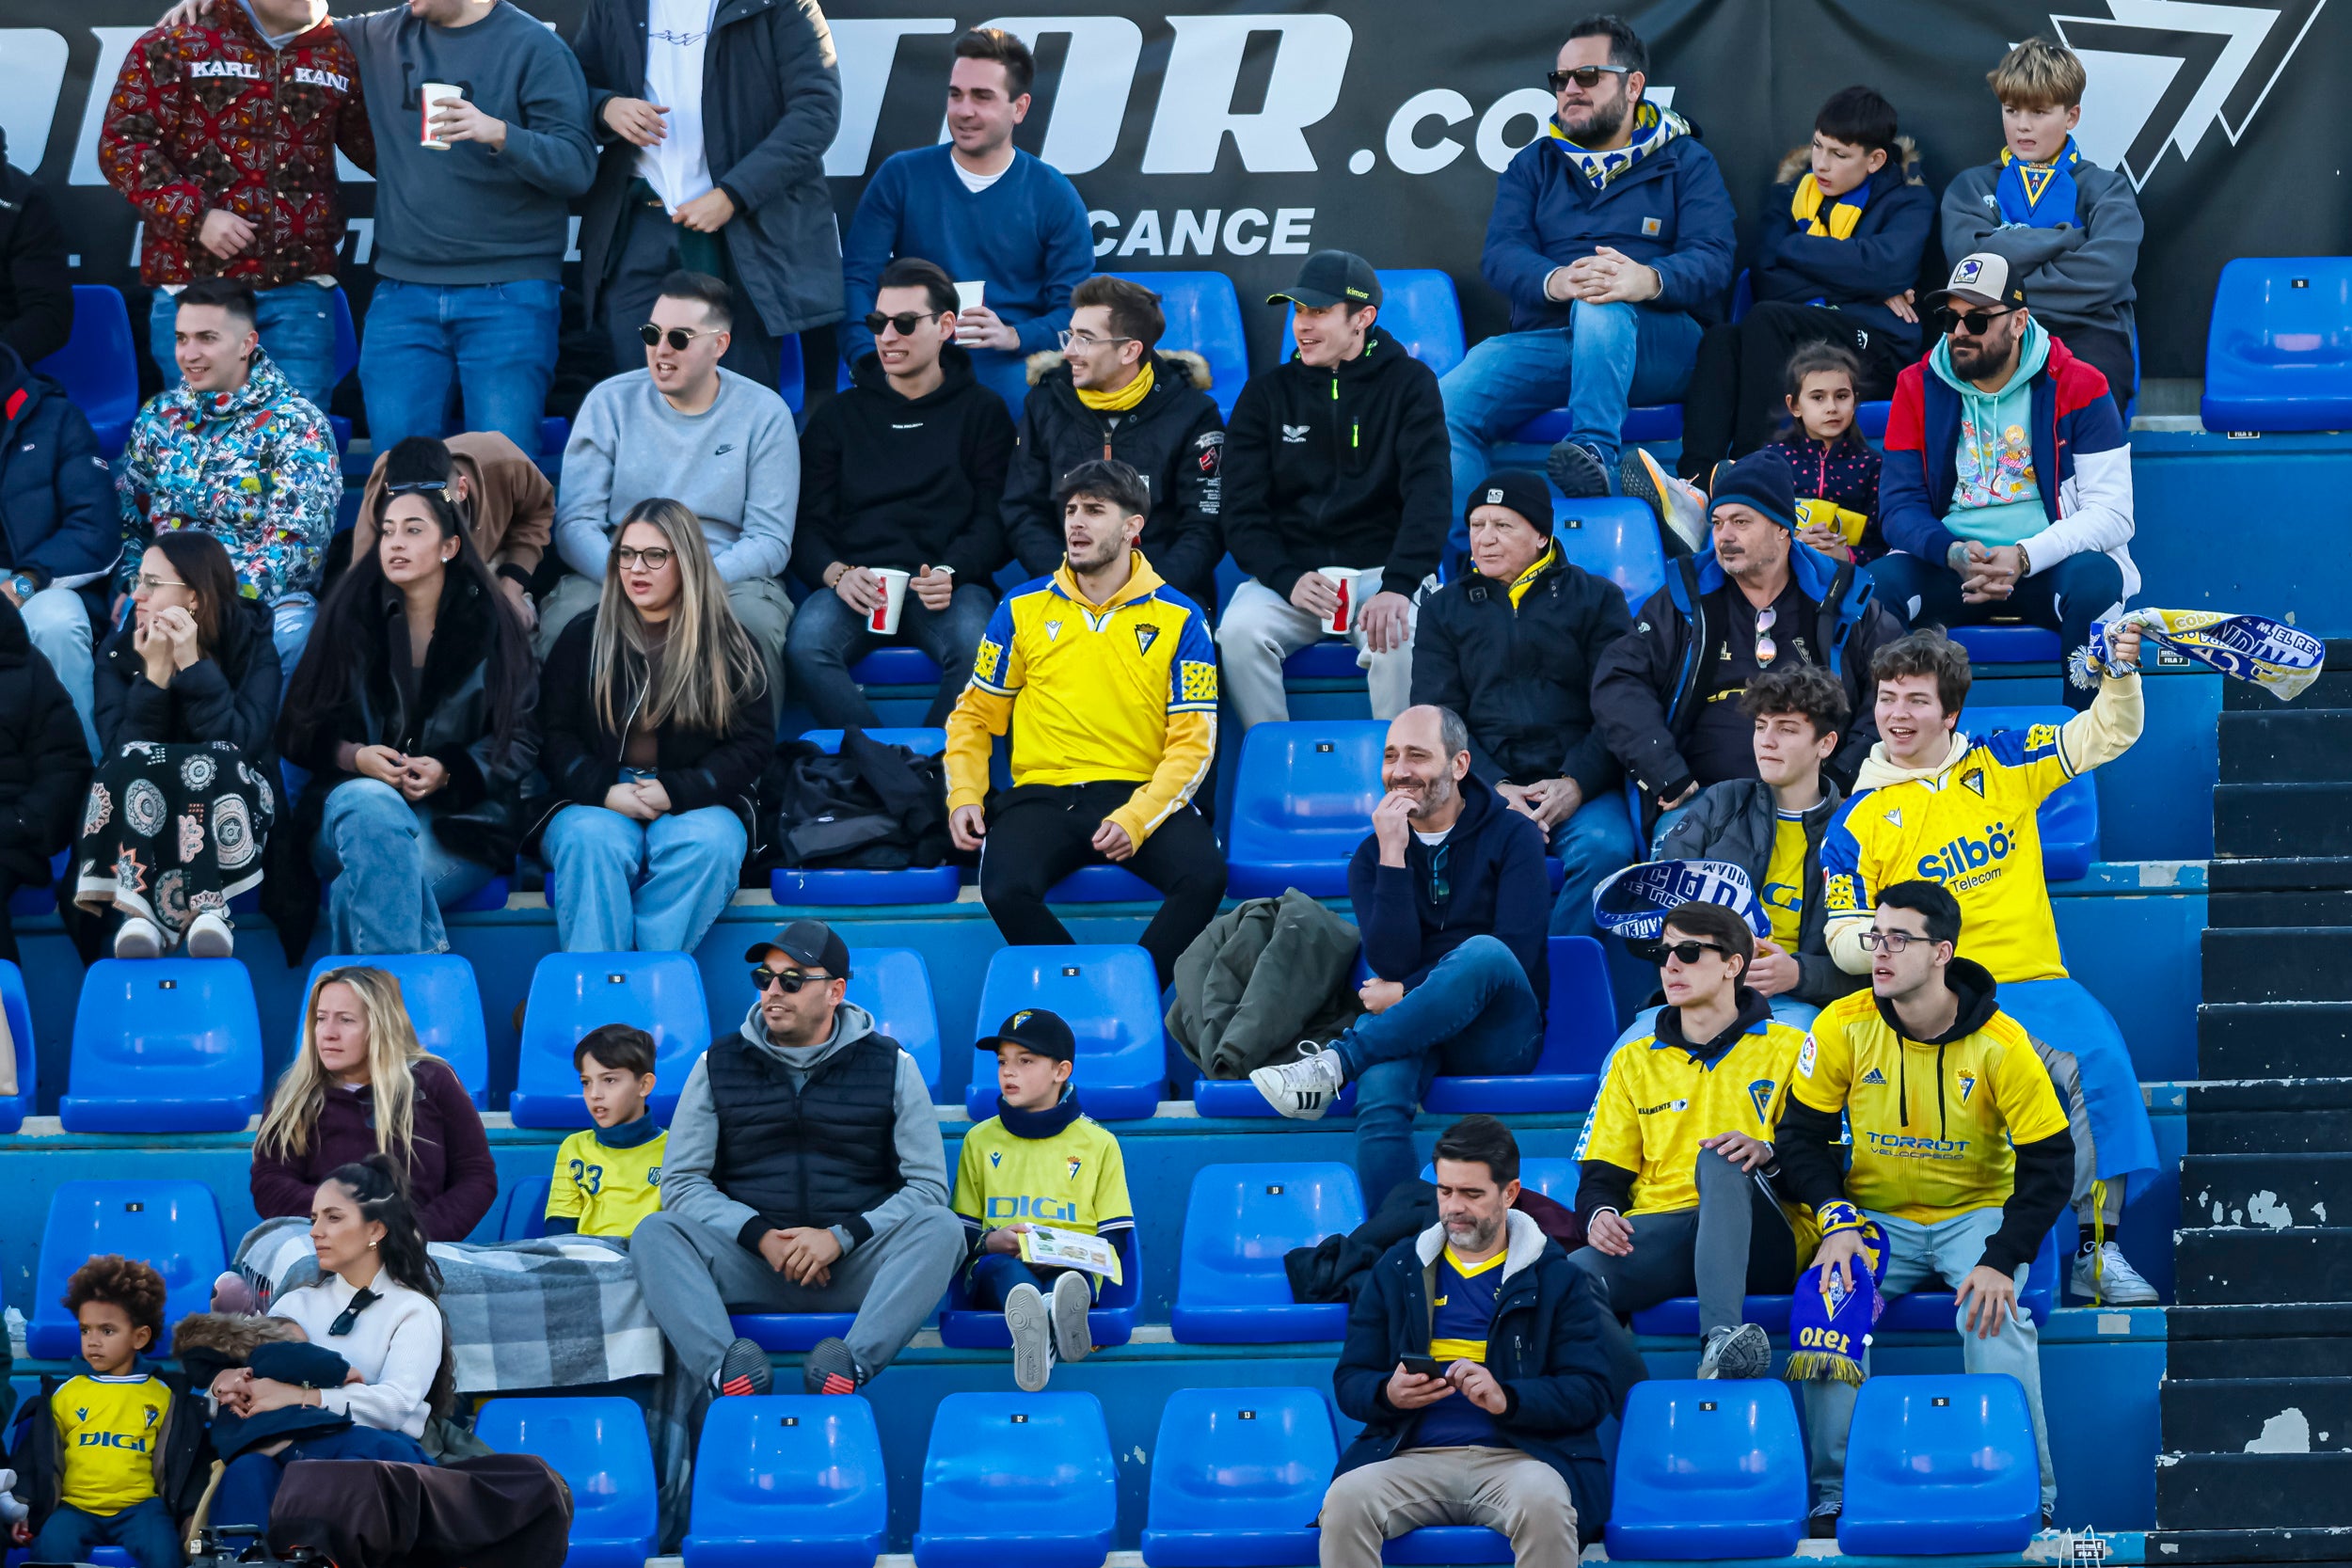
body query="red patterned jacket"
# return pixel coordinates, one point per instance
(210, 116)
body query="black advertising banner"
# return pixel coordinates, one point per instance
(1240, 136)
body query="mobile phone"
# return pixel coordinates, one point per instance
(1424, 1365)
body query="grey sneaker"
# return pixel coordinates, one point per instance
(744, 1370)
(1737, 1353)
(830, 1369)
(1304, 1089)
(1578, 470)
(1073, 1337)
(1678, 503)
(1032, 1330)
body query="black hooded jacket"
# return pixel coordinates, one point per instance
(44, 762)
(36, 285)
(1604, 1184)
(230, 695)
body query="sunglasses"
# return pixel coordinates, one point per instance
(903, 323)
(410, 486)
(678, 335)
(1888, 942)
(1688, 951)
(1765, 649)
(1970, 324)
(349, 1317)
(1585, 76)
(653, 560)
(792, 980)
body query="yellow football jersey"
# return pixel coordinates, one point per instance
(108, 1429)
(1657, 1102)
(607, 1189)
(1074, 1181)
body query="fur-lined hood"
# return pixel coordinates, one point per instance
(1793, 168)
(234, 1335)
(1196, 369)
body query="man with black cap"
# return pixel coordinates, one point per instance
(1512, 647)
(1755, 600)
(804, 1174)
(1337, 495)
(2007, 489)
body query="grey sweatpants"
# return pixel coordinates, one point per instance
(1737, 1241)
(1502, 1489)
(2091, 1202)
(692, 1277)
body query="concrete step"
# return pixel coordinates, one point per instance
(2330, 906)
(2284, 963)
(2266, 1039)
(2286, 745)
(2269, 1415)
(2333, 689)
(2266, 1191)
(2263, 820)
(2299, 1340)
(2215, 1267)
(2212, 1548)
(2273, 1115)
(2253, 1491)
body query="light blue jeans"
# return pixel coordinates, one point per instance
(625, 886)
(298, 326)
(1917, 1258)
(391, 876)
(57, 621)
(1597, 839)
(290, 630)
(493, 341)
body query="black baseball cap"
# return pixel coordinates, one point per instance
(1037, 1032)
(1330, 277)
(808, 943)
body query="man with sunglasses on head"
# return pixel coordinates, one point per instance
(1611, 237)
(904, 471)
(804, 1174)
(2007, 488)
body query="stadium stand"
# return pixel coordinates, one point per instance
(789, 1478)
(2279, 349)
(598, 1446)
(1237, 1478)
(444, 1005)
(1063, 1514)
(1709, 1469)
(172, 1225)
(1109, 997)
(1230, 1289)
(574, 992)
(1937, 1465)
(164, 1045)
(1203, 315)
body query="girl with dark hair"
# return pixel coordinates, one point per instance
(186, 696)
(1836, 470)
(411, 708)
(375, 1305)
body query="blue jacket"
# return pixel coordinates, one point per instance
(57, 506)
(1547, 215)
(1858, 274)
(1546, 1347)
(1496, 887)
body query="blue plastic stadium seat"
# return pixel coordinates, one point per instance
(1920, 1312)
(523, 1211)
(598, 1446)
(894, 985)
(1613, 538)
(99, 366)
(164, 1045)
(1580, 1026)
(1111, 1320)
(1447, 1546)
(1708, 1470)
(1302, 802)
(574, 992)
(1553, 1175)
(29, 902)
(1240, 1220)
(900, 664)
(346, 360)
(1237, 1479)
(555, 434)
(794, 1479)
(1204, 317)
(172, 1227)
(1101, 884)
(2009, 644)
(1870, 419)
(1420, 309)
(1661, 422)
(1333, 658)
(16, 1107)
(791, 1333)
(443, 1002)
(1938, 1465)
(914, 738)
(1110, 995)
(2279, 350)
(1018, 1477)
(2069, 820)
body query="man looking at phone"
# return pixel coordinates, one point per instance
(1477, 1361)
(1962, 1155)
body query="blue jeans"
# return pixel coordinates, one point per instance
(1474, 1016)
(249, 1484)
(1608, 358)
(392, 875)
(144, 1529)
(625, 886)
(495, 341)
(827, 637)
(995, 1274)
(298, 326)
(57, 621)
(1597, 839)
(2066, 598)
(290, 630)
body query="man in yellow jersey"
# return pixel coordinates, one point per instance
(1682, 1125)
(1115, 679)
(1961, 1153)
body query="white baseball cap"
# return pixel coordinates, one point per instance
(1982, 275)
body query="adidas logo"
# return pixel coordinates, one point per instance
(1874, 1076)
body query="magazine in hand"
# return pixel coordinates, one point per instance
(1069, 1249)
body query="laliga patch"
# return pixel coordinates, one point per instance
(1804, 1058)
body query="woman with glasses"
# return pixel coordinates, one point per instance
(186, 697)
(657, 730)
(412, 711)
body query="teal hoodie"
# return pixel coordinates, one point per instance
(1998, 499)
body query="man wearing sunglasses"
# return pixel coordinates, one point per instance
(1613, 238)
(2007, 488)
(805, 1173)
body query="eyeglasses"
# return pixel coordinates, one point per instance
(903, 323)
(151, 585)
(652, 560)
(1686, 952)
(409, 486)
(1765, 649)
(792, 980)
(1585, 76)
(1888, 942)
(678, 335)
(1070, 338)
(1968, 324)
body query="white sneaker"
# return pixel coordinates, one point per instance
(139, 937)
(209, 937)
(1073, 1337)
(1032, 1329)
(2106, 1276)
(1303, 1089)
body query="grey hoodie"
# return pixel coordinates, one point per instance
(2081, 275)
(688, 1192)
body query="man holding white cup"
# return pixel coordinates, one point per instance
(1338, 495)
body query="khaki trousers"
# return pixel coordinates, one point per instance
(1502, 1489)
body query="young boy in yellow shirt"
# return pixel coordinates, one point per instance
(609, 1177)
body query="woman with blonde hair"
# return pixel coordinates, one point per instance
(361, 1085)
(655, 725)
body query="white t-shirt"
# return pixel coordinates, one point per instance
(676, 33)
(1432, 840)
(976, 183)
(394, 1343)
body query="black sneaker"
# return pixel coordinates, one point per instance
(745, 1369)
(1578, 470)
(1822, 1523)
(830, 1369)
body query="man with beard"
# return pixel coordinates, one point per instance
(1612, 235)
(1753, 601)
(1501, 1431)
(1452, 896)
(2007, 489)
(1116, 682)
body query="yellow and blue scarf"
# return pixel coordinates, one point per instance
(2276, 657)
(2039, 196)
(1845, 213)
(1829, 1326)
(1653, 128)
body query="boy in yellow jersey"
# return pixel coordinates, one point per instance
(608, 1179)
(1038, 1162)
(1671, 1151)
(1114, 679)
(1961, 1153)
(107, 1457)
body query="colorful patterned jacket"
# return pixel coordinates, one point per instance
(255, 468)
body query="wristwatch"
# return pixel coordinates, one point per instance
(23, 585)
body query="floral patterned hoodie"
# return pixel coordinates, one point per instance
(255, 468)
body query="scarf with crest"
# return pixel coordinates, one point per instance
(1804, 207)
(2039, 196)
(1829, 1326)
(2279, 658)
(1653, 128)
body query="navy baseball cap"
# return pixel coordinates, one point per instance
(1036, 1031)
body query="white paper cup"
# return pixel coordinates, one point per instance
(1342, 621)
(434, 94)
(971, 295)
(894, 601)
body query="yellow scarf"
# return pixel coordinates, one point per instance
(1805, 207)
(1122, 400)
(1527, 579)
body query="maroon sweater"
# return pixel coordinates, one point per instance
(450, 1176)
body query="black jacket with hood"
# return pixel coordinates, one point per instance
(44, 762)
(1347, 466)
(230, 695)
(1174, 438)
(1605, 1184)
(181, 1459)
(1735, 821)
(35, 279)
